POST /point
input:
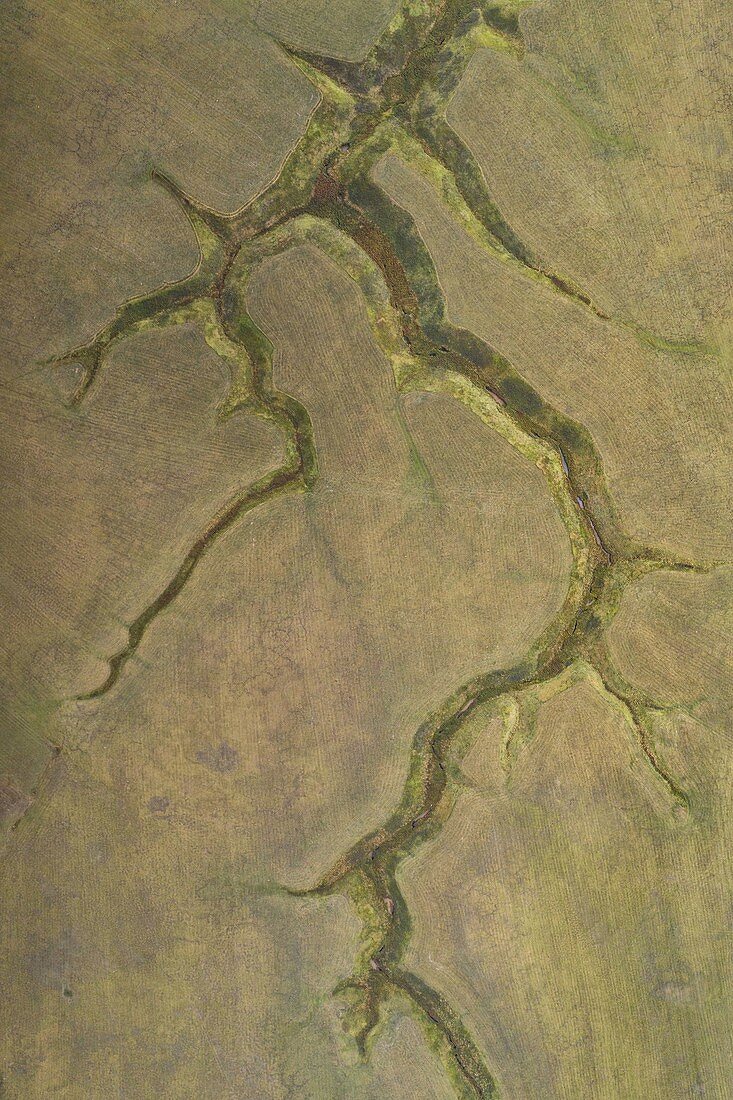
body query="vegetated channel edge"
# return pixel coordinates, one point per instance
(326, 177)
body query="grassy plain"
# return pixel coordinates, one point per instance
(148, 961)
(672, 639)
(604, 148)
(100, 506)
(97, 94)
(381, 618)
(373, 736)
(579, 929)
(662, 421)
(344, 30)
(263, 727)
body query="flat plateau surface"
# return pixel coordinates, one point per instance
(367, 701)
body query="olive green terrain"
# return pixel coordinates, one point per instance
(369, 676)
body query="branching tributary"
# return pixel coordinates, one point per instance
(325, 194)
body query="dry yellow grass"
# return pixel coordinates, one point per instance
(672, 639)
(264, 725)
(139, 965)
(344, 29)
(381, 591)
(100, 508)
(99, 93)
(607, 148)
(662, 422)
(145, 963)
(382, 670)
(581, 934)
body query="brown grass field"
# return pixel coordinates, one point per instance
(662, 420)
(365, 728)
